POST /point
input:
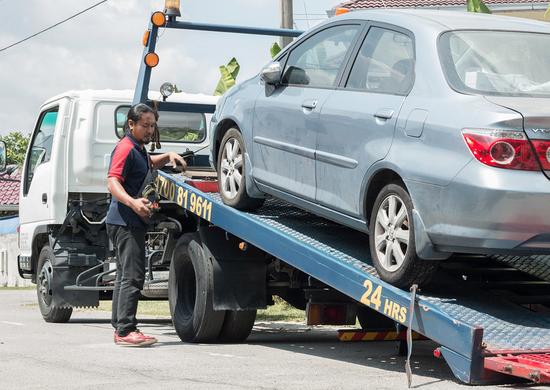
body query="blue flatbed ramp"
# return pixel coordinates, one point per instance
(470, 324)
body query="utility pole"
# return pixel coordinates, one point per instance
(287, 20)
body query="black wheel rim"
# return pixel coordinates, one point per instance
(44, 283)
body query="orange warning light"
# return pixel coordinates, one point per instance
(158, 19)
(146, 37)
(341, 11)
(151, 60)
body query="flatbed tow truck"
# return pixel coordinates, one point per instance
(485, 322)
(491, 321)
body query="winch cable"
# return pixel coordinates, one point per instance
(408, 370)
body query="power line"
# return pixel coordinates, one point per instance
(52, 26)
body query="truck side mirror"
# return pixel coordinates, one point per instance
(271, 73)
(2, 156)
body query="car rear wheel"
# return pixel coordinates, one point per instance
(391, 239)
(231, 173)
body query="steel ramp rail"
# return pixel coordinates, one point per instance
(469, 325)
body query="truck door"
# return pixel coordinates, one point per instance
(35, 200)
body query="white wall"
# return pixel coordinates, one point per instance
(9, 277)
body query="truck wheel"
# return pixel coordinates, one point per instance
(231, 173)
(47, 301)
(190, 291)
(391, 240)
(237, 325)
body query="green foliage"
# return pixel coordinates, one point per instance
(275, 49)
(16, 146)
(228, 78)
(477, 6)
(547, 13)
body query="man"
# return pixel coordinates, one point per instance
(127, 218)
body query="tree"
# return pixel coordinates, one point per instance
(477, 6)
(228, 78)
(16, 146)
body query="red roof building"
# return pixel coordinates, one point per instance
(9, 191)
(532, 9)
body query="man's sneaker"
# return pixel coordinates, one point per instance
(147, 337)
(135, 339)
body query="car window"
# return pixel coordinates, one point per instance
(41, 146)
(384, 64)
(316, 62)
(506, 63)
(173, 126)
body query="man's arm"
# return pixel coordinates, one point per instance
(141, 206)
(160, 160)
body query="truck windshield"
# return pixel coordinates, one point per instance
(505, 63)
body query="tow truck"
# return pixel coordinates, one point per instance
(490, 321)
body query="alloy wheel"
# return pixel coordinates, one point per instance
(231, 168)
(392, 233)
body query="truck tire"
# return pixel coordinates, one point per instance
(190, 292)
(51, 309)
(231, 173)
(391, 240)
(237, 326)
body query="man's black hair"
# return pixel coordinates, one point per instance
(135, 113)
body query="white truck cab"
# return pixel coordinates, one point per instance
(68, 158)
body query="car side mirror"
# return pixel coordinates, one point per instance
(2, 156)
(271, 73)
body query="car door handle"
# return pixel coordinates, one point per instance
(44, 198)
(309, 104)
(384, 113)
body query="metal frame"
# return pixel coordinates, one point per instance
(144, 76)
(463, 344)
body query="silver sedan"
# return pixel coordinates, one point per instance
(428, 130)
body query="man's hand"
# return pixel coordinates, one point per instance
(177, 161)
(142, 207)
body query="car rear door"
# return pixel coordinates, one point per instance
(358, 119)
(286, 120)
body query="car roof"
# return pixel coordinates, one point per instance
(439, 21)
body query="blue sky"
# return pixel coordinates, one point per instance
(101, 49)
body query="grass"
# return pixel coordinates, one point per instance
(280, 311)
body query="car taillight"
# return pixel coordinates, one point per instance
(543, 152)
(502, 148)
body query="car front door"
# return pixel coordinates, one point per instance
(286, 120)
(358, 119)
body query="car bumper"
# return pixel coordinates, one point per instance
(487, 210)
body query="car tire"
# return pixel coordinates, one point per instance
(190, 292)
(392, 240)
(237, 326)
(50, 307)
(231, 173)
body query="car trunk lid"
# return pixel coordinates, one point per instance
(536, 123)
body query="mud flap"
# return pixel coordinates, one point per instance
(239, 271)
(66, 276)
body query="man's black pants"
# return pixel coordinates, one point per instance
(129, 246)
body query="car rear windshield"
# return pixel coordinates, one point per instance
(503, 63)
